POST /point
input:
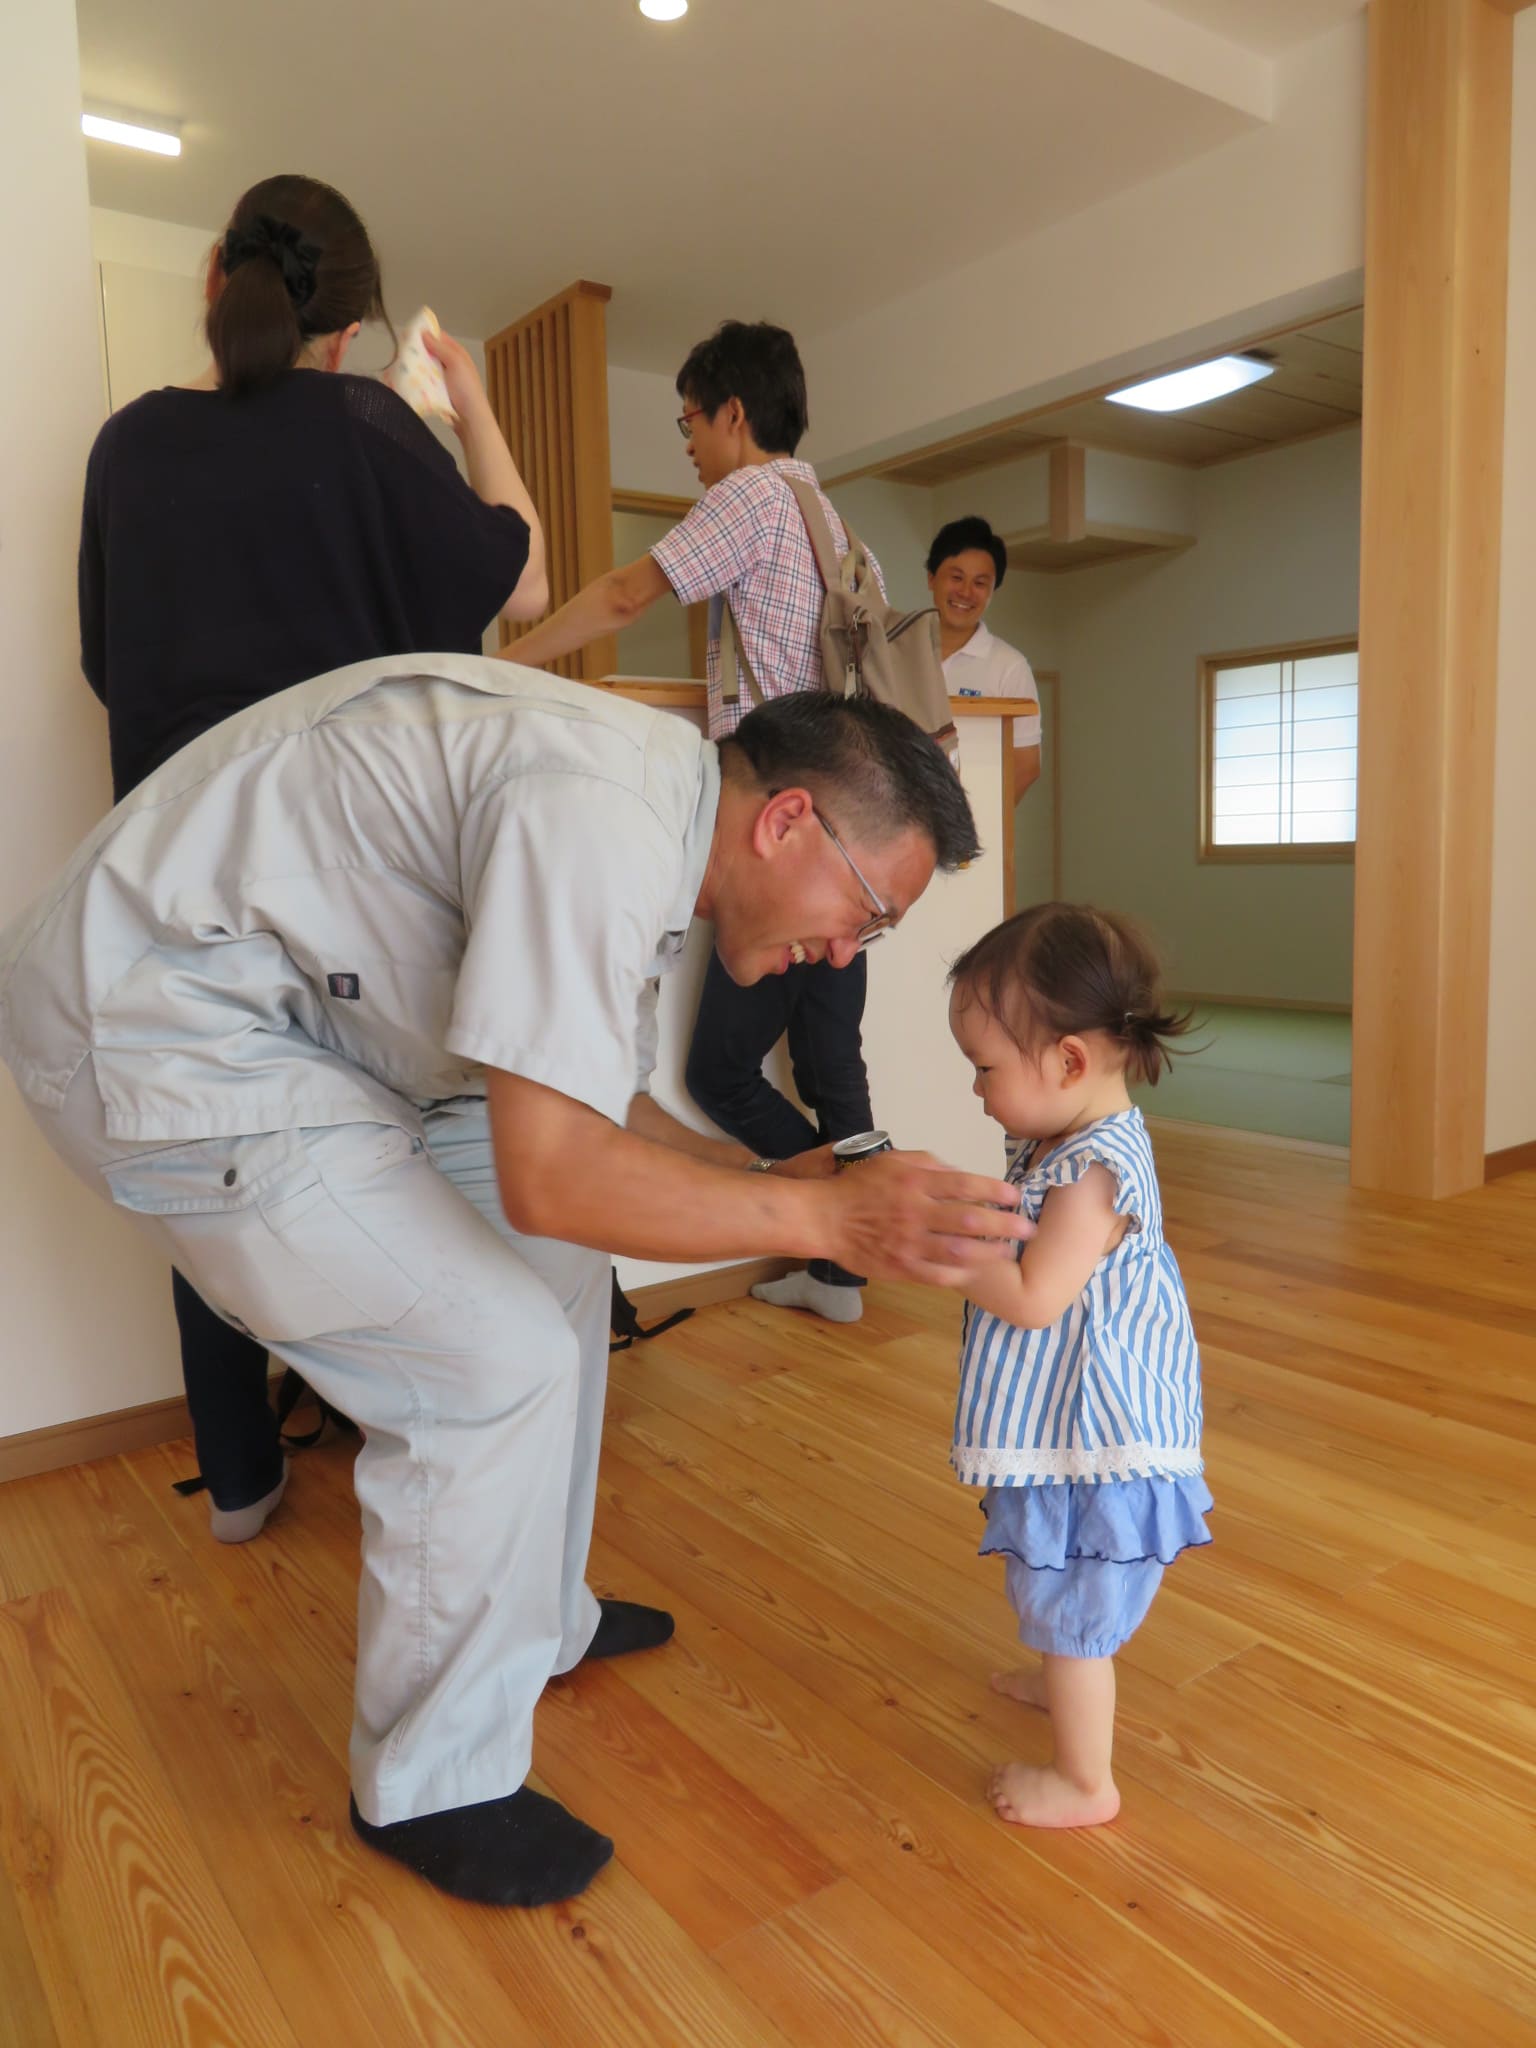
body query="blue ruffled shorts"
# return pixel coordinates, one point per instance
(1085, 1558)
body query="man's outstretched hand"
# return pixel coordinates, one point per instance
(908, 1216)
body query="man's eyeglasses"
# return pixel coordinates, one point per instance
(884, 920)
(684, 417)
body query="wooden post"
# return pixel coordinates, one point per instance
(1437, 234)
(1068, 492)
(547, 379)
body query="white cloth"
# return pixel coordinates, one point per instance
(988, 667)
(254, 1010)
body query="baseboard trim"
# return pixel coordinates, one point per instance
(1197, 996)
(93, 1436)
(1230, 1134)
(1513, 1159)
(703, 1290)
(161, 1422)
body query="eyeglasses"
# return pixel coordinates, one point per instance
(684, 417)
(884, 919)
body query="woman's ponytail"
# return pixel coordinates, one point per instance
(254, 327)
(294, 262)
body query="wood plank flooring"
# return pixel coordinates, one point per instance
(1327, 1739)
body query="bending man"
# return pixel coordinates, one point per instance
(348, 1001)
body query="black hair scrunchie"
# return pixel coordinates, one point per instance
(294, 254)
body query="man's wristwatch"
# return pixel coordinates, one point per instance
(761, 1165)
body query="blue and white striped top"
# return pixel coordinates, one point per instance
(1112, 1390)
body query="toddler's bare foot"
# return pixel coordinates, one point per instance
(1044, 1799)
(1027, 1687)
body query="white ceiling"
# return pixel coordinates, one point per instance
(797, 160)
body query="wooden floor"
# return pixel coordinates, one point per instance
(1327, 1745)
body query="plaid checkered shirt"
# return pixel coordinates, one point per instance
(745, 542)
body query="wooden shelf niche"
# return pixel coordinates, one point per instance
(1070, 539)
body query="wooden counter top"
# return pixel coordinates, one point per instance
(680, 696)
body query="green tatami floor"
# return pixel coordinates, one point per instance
(1285, 1072)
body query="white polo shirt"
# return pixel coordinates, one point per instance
(988, 667)
(345, 903)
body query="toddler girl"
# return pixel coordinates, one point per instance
(1079, 1406)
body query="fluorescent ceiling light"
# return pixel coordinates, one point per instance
(156, 139)
(664, 10)
(1193, 387)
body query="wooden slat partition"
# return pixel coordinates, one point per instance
(547, 380)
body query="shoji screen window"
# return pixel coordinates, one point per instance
(1278, 773)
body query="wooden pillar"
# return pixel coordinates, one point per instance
(1437, 234)
(547, 379)
(1068, 491)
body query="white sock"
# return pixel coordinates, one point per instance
(799, 1290)
(239, 1525)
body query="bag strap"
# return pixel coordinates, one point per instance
(818, 531)
(292, 1390)
(733, 659)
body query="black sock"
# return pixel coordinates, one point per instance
(626, 1626)
(524, 1850)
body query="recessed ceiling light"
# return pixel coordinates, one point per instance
(664, 10)
(100, 129)
(1193, 387)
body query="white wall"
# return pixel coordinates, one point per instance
(658, 643)
(1273, 220)
(647, 453)
(1276, 561)
(897, 523)
(1124, 490)
(164, 245)
(88, 1323)
(150, 276)
(1033, 612)
(1511, 1115)
(1013, 498)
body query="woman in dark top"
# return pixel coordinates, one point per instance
(257, 528)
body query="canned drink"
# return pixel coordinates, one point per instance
(865, 1145)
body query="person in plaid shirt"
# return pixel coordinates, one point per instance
(744, 544)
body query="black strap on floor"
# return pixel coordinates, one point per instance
(292, 1391)
(625, 1320)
